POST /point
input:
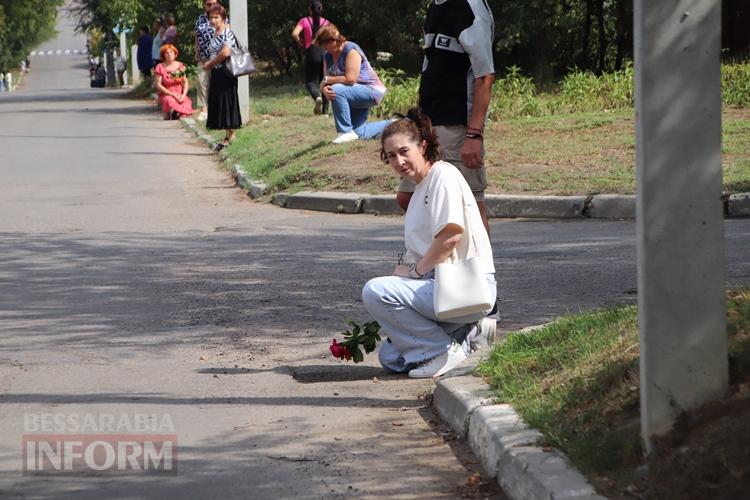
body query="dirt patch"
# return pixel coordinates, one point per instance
(707, 455)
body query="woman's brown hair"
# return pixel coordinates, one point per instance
(328, 33)
(418, 127)
(218, 9)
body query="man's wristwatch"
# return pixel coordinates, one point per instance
(413, 273)
(325, 80)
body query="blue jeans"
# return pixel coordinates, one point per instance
(405, 311)
(351, 107)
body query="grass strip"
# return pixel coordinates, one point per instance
(577, 381)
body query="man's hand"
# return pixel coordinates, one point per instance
(207, 65)
(471, 153)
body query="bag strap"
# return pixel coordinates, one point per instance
(468, 233)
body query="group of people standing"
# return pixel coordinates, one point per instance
(216, 90)
(437, 150)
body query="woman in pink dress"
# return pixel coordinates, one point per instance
(172, 84)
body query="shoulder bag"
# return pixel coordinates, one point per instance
(240, 62)
(461, 287)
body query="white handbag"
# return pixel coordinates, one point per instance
(461, 287)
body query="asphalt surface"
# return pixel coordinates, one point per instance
(135, 279)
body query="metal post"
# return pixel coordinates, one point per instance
(681, 273)
(238, 19)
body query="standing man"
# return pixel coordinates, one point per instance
(456, 87)
(145, 63)
(204, 32)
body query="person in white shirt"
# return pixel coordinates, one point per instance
(418, 343)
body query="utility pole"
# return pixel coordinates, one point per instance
(680, 226)
(238, 19)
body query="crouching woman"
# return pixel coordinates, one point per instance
(419, 343)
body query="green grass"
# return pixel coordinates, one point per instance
(578, 140)
(577, 381)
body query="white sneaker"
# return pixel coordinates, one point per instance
(346, 137)
(441, 364)
(318, 106)
(202, 117)
(484, 334)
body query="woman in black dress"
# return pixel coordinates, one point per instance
(223, 101)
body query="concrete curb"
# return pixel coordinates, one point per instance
(506, 446)
(600, 206)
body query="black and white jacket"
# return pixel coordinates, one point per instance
(458, 38)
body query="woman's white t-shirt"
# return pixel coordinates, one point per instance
(438, 201)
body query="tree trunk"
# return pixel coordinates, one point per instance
(624, 23)
(112, 81)
(602, 35)
(584, 60)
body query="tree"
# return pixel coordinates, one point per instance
(24, 24)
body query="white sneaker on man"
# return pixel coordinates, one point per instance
(442, 364)
(345, 137)
(202, 116)
(318, 110)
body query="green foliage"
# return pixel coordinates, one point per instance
(402, 93)
(24, 24)
(735, 82)
(585, 91)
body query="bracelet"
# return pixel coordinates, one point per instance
(472, 129)
(413, 273)
(474, 135)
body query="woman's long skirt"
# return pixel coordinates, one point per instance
(223, 102)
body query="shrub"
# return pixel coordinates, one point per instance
(735, 84)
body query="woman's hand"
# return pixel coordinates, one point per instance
(401, 270)
(179, 98)
(328, 92)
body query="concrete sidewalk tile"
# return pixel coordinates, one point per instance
(456, 398)
(345, 203)
(555, 207)
(280, 199)
(739, 205)
(381, 205)
(493, 429)
(612, 206)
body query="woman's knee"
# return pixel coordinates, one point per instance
(372, 292)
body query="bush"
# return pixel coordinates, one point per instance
(735, 84)
(515, 94)
(403, 93)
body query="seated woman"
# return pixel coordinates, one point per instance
(351, 86)
(171, 84)
(418, 343)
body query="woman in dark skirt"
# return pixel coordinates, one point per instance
(223, 101)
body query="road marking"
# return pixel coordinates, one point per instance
(58, 52)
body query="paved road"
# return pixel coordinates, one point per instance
(136, 280)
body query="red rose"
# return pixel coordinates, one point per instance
(338, 350)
